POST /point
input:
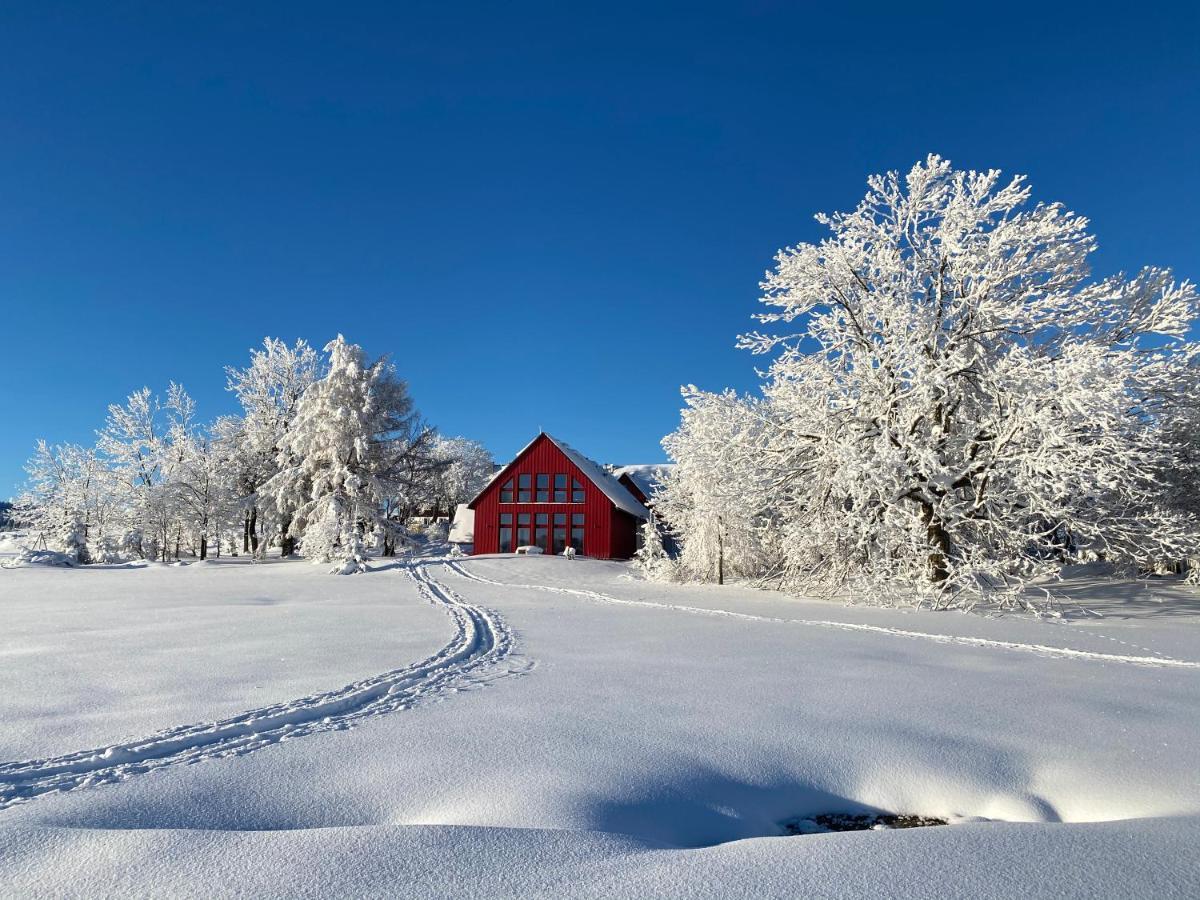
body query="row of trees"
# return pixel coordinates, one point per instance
(328, 454)
(953, 405)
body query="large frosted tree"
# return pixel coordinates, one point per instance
(350, 430)
(269, 390)
(960, 405)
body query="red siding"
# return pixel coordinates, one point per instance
(624, 534)
(605, 535)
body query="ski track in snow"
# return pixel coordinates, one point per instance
(1156, 661)
(479, 652)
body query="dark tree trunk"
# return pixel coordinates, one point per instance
(246, 534)
(720, 553)
(939, 545)
(287, 543)
(254, 529)
(203, 547)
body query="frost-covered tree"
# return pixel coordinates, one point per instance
(351, 432)
(67, 499)
(957, 404)
(458, 470)
(721, 498)
(197, 477)
(651, 558)
(1181, 478)
(269, 390)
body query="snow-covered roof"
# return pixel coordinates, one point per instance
(613, 489)
(647, 477)
(592, 471)
(462, 529)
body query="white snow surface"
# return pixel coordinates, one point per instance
(533, 726)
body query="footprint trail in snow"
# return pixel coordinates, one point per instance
(1157, 661)
(481, 650)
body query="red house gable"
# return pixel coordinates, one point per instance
(551, 496)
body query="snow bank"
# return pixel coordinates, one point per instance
(662, 736)
(41, 558)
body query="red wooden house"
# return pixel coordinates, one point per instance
(551, 496)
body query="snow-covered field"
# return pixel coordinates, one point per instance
(504, 726)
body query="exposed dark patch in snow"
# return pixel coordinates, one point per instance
(829, 822)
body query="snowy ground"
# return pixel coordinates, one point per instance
(536, 726)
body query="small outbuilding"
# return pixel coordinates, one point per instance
(553, 497)
(462, 529)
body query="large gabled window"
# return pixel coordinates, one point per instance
(577, 494)
(506, 492)
(524, 494)
(543, 488)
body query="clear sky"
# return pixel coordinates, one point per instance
(549, 215)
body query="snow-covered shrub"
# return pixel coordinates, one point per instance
(651, 558)
(954, 406)
(436, 530)
(72, 540)
(335, 538)
(107, 549)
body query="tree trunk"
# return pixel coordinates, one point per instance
(720, 553)
(254, 529)
(246, 533)
(203, 546)
(287, 543)
(939, 545)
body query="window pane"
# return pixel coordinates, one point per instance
(543, 481)
(505, 518)
(560, 482)
(508, 485)
(506, 496)
(539, 537)
(506, 540)
(542, 518)
(523, 481)
(560, 496)
(577, 539)
(522, 518)
(543, 496)
(560, 541)
(577, 497)
(523, 496)
(577, 519)
(575, 485)
(560, 518)
(522, 537)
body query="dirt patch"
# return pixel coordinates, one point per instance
(830, 822)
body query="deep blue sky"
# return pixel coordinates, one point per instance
(550, 215)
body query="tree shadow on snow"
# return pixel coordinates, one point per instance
(709, 808)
